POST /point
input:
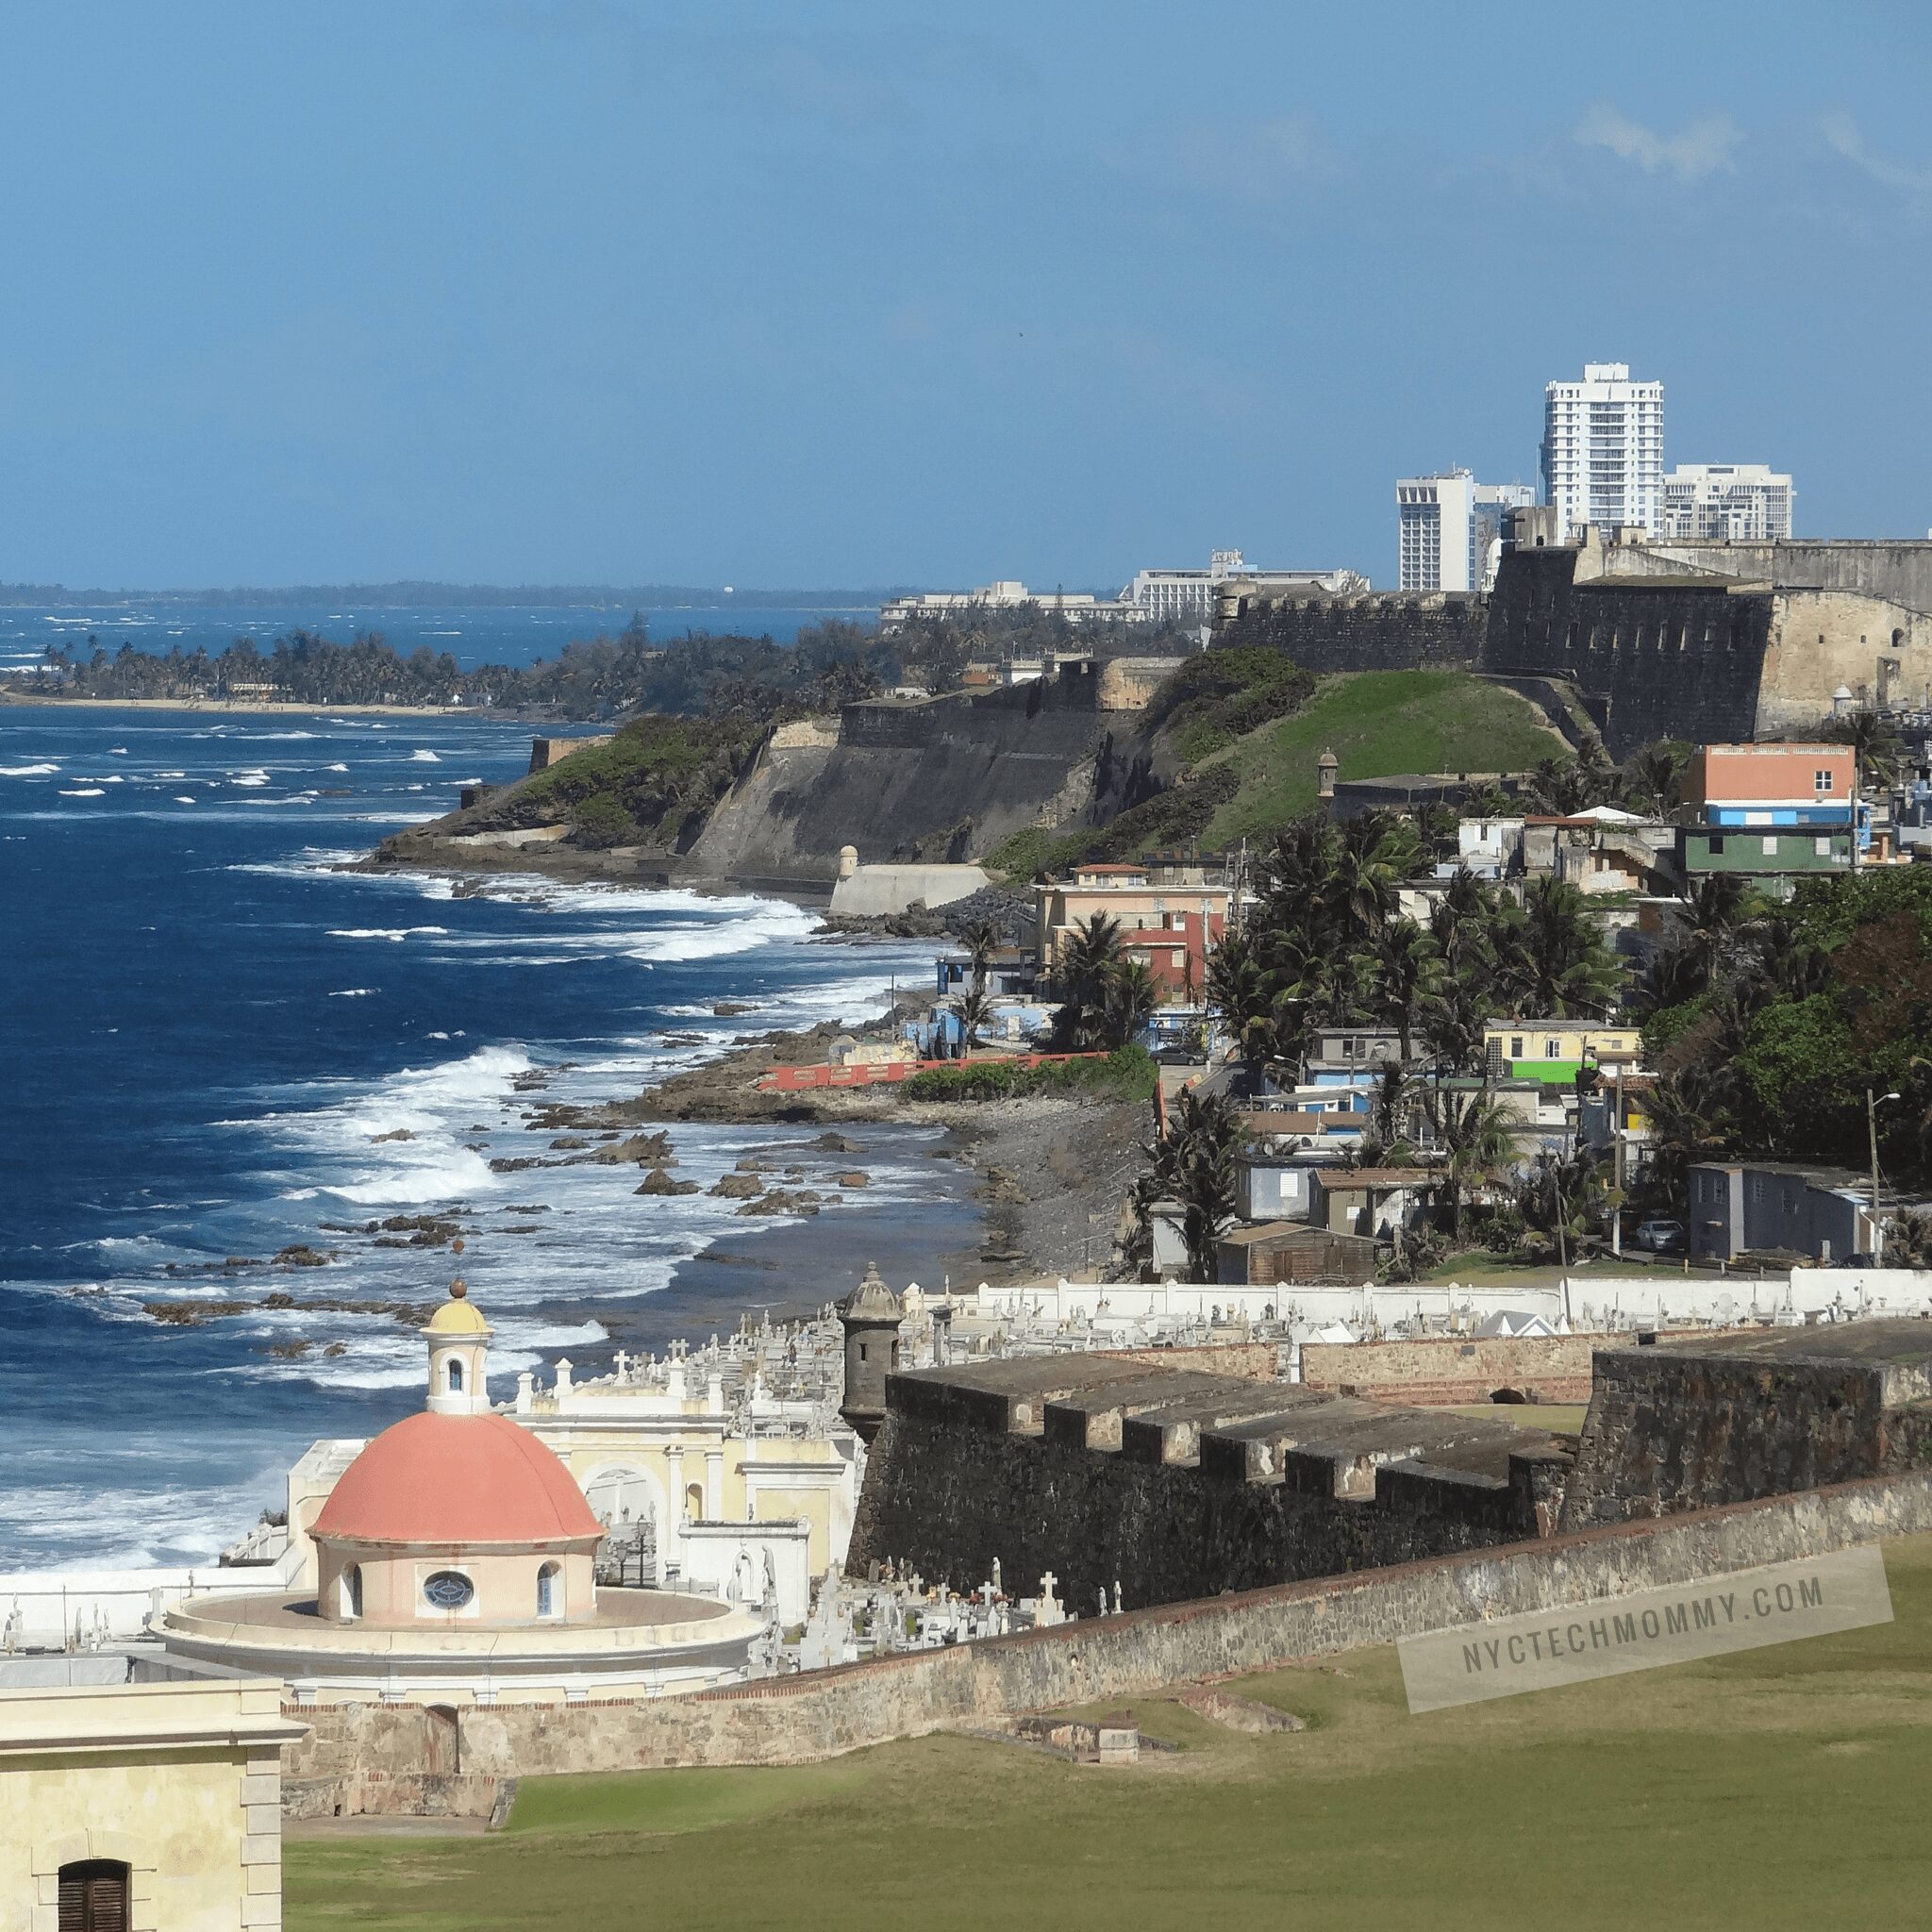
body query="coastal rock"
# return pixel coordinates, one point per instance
(779, 1202)
(300, 1255)
(569, 1144)
(647, 1150)
(658, 1182)
(750, 1163)
(837, 1144)
(730, 1009)
(738, 1186)
(395, 1134)
(193, 1314)
(853, 1179)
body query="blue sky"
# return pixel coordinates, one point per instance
(825, 294)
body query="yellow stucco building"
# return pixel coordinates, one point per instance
(142, 1807)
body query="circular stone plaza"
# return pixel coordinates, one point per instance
(457, 1566)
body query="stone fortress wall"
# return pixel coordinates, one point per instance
(941, 780)
(1372, 630)
(1181, 1485)
(377, 1759)
(1257, 1524)
(1711, 642)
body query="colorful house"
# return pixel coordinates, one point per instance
(1554, 1051)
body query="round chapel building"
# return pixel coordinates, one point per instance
(456, 1563)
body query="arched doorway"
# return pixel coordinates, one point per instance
(625, 1501)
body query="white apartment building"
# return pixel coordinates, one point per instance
(1008, 594)
(1449, 529)
(1186, 596)
(1714, 503)
(1604, 450)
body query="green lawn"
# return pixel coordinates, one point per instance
(1377, 722)
(1784, 1788)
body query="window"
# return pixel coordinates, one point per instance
(1821, 781)
(1516, 1046)
(863, 1354)
(94, 1896)
(448, 1590)
(1717, 845)
(1771, 847)
(351, 1590)
(1553, 1049)
(550, 1590)
(452, 1378)
(1821, 846)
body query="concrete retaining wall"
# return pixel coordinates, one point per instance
(353, 1750)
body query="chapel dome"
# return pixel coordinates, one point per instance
(456, 1480)
(458, 1315)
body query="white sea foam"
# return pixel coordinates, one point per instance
(394, 933)
(357, 993)
(424, 758)
(86, 791)
(248, 779)
(339, 768)
(29, 771)
(186, 798)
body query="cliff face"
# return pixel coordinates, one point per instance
(946, 779)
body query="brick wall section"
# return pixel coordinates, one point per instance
(798, 1719)
(1669, 1429)
(1444, 1372)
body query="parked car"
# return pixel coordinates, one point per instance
(1660, 1237)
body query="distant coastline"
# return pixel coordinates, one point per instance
(269, 707)
(416, 593)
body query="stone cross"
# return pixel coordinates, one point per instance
(622, 1365)
(1047, 1581)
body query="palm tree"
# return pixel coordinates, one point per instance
(975, 1012)
(1652, 775)
(1239, 990)
(1127, 996)
(982, 941)
(1086, 962)
(1874, 745)
(1204, 1136)
(1454, 1022)
(1409, 975)
(1556, 956)
(1713, 910)
(1361, 891)
(1565, 1199)
(1473, 1130)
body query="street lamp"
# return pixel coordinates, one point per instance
(1871, 1106)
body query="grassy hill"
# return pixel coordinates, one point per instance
(1244, 779)
(1377, 722)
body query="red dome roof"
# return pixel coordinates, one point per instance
(456, 1480)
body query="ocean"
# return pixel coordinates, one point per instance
(488, 634)
(218, 1045)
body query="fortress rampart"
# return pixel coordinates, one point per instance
(372, 1758)
(1367, 632)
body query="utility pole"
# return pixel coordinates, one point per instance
(1872, 1134)
(1617, 1168)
